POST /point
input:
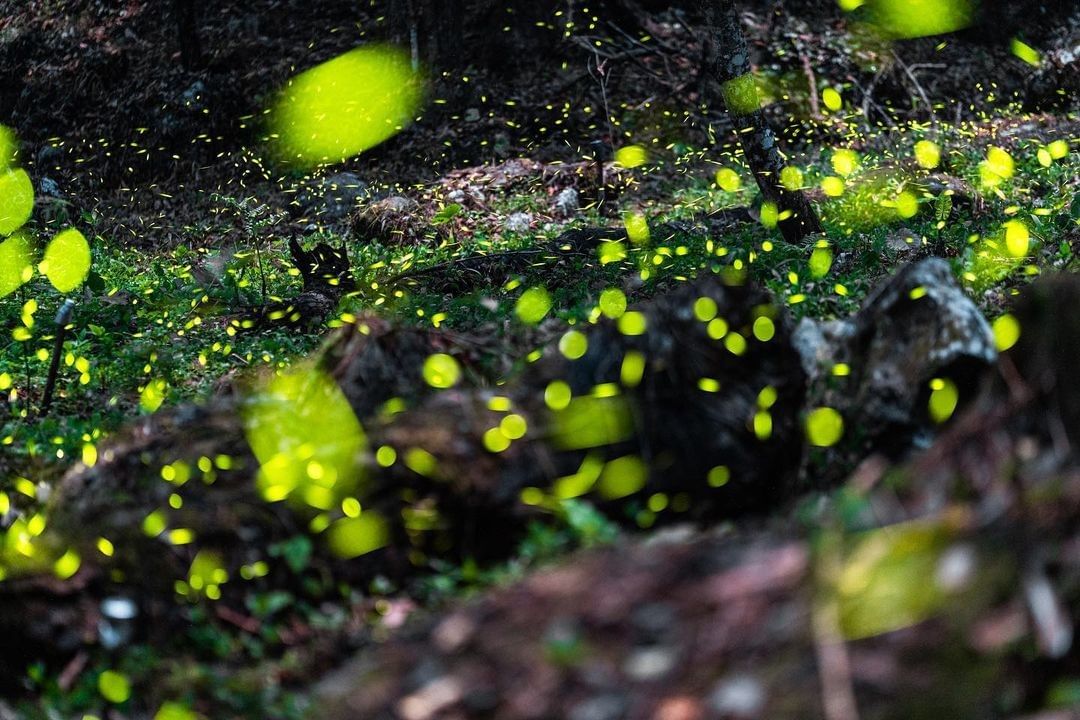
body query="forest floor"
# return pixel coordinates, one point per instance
(445, 227)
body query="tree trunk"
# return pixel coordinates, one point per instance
(433, 30)
(448, 33)
(729, 60)
(186, 16)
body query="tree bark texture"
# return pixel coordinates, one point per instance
(682, 409)
(186, 16)
(954, 593)
(729, 63)
(433, 30)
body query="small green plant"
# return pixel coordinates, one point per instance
(256, 219)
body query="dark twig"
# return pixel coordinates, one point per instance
(63, 317)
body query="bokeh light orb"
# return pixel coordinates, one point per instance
(345, 106)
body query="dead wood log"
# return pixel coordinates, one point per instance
(686, 407)
(954, 594)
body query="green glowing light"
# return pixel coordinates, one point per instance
(740, 95)
(345, 106)
(573, 344)
(824, 427)
(612, 303)
(832, 99)
(719, 476)
(997, 167)
(589, 422)
(16, 200)
(631, 156)
(67, 565)
(153, 395)
(533, 305)
(728, 179)
(791, 177)
(1017, 238)
(354, 536)
(1006, 331)
(821, 260)
(632, 323)
(769, 214)
(927, 154)
(920, 18)
(16, 263)
(907, 205)
(175, 711)
(306, 438)
(844, 162)
(622, 477)
(887, 580)
(114, 687)
(833, 186)
(764, 329)
(735, 343)
(637, 228)
(944, 397)
(67, 260)
(632, 369)
(763, 425)
(441, 371)
(1025, 52)
(705, 308)
(1058, 149)
(9, 147)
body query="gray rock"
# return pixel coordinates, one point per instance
(903, 243)
(654, 621)
(470, 196)
(48, 155)
(194, 98)
(518, 222)
(738, 696)
(917, 326)
(818, 342)
(609, 706)
(333, 197)
(650, 663)
(566, 202)
(48, 186)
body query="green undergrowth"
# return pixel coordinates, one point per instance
(159, 328)
(156, 328)
(253, 663)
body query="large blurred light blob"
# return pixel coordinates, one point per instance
(1017, 238)
(9, 146)
(927, 154)
(16, 200)
(728, 179)
(352, 537)
(16, 263)
(622, 476)
(533, 305)
(590, 422)
(306, 438)
(920, 18)
(345, 106)
(153, 395)
(996, 168)
(894, 577)
(67, 260)
(741, 95)
(631, 156)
